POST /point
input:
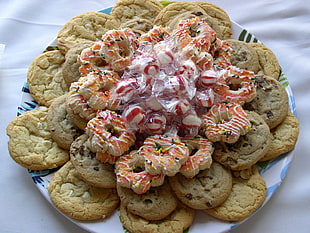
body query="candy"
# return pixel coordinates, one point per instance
(181, 106)
(163, 154)
(109, 133)
(130, 173)
(156, 123)
(236, 85)
(207, 78)
(134, 115)
(225, 122)
(126, 89)
(118, 48)
(205, 98)
(200, 157)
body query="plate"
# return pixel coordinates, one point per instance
(273, 172)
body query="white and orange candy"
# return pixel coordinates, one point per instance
(163, 154)
(130, 173)
(118, 48)
(96, 88)
(236, 85)
(225, 122)
(200, 157)
(108, 132)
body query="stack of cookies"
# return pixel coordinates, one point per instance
(85, 188)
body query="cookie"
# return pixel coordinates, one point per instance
(31, 144)
(45, 78)
(246, 197)
(178, 221)
(78, 199)
(85, 27)
(125, 10)
(157, 203)
(90, 169)
(249, 148)
(62, 129)
(173, 23)
(244, 56)
(70, 68)
(271, 101)
(173, 10)
(267, 60)
(220, 16)
(138, 25)
(284, 137)
(208, 189)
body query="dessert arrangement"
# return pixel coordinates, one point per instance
(156, 113)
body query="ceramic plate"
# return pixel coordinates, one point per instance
(273, 172)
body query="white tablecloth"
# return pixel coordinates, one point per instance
(27, 26)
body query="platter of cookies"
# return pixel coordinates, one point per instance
(155, 116)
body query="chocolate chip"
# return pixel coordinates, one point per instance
(189, 196)
(209, 204)
(269, 114)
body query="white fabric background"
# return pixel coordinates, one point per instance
(27, 26)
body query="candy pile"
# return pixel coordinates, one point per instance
(163, 85)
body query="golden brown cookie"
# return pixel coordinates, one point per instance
(157, 203)
(208, 189)
(70, 69)
(247, 196)
(31, 144)
(62, 129)
(173, 10)
(178, 221)
(244, 56)
(78, 199)
(267, 60)
(85, 27)
(125, 10)
(90, 169)
(220, 15)
(284, 137)
(45, 78)
(138, 25)
(249, 148)
(271, 101)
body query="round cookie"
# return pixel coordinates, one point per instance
(173, 23)
(125, 10)
(267, 59)
(208, 189)
(249, 148)
(157, 203)
(31, 144)
(90, 169)
(283, 137)
(177, 222)
(173, 10)
(246, 197)
(220, 16)
(78, 199)
(70, 68)
(271, 101)
(138, 25)
(244, 56)
(45, 78)
(62, 129)
(85, 27)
